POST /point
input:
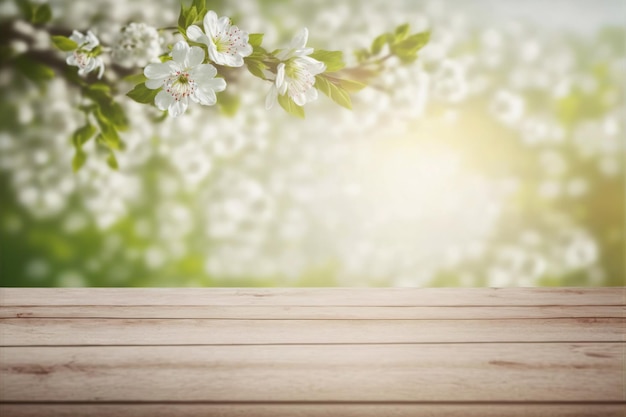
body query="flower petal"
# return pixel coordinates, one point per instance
(303, 51)
(312, 65)
(163, 100)
(280, 75)
(245, 49)
(272, 95)
(153, 84)
(203, 72)
(299, 99)
(77, 37)
(195, 56)
(223, 24)
(100, 64)
(213, 54)
(206, 97)
(300, 39)
(195, 34)
(178, 107)
(158, 70)
(230, 60)
(215, 84)
(92, 41)
(179, 52)
(311, 94)
(210, 23)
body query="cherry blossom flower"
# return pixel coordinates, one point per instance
(182, 78)
(295, 75)
(137, 44)
(85, 56)
(227, 44)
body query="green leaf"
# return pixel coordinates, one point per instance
(362, 54)
(135, 78)
(256, 68)
(200, 6)
(142, 94)
(255, 39)
(64, 43)
(108, 132)
(191, 17)
(99, 92)
(290, 107)
(408, 48)
(336, 93)
(401, 32)
(379, 43)
(34, 70)
(115, 114)
(181, 18)
(332, 59)
(80, 157)
(41, 14)
(112, 161)
(82, 135)
(351, 86)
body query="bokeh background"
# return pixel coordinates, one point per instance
(495, 160)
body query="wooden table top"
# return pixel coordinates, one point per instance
(313, 352)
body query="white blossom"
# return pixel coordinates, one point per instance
(137, 44)
(182, 78)
(85, 56)
(295, 75)
(227, 44)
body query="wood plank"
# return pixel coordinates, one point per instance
(313, 313)
(313, 410)
(553, 372)
(50, 332)
(313, 296)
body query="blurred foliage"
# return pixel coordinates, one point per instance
(536, 118)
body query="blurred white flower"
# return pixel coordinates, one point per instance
(85, 56)
(184, 77)
(449, 83)
(227, 44)
(581, 251)
(296, 73)
(507, 107)
(137, 44)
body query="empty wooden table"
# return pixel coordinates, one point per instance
(313, 352)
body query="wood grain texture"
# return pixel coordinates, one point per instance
(368, 297)
(479, 372)
(313, 410)
(313, 352)
(313, 313)
(51, 332)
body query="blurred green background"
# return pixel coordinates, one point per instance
(495, 160)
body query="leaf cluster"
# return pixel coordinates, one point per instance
(110, 118)
(400, 43)
(34, 12)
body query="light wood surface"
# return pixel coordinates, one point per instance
(313, 352)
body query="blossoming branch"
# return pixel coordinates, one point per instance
(195, 65)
